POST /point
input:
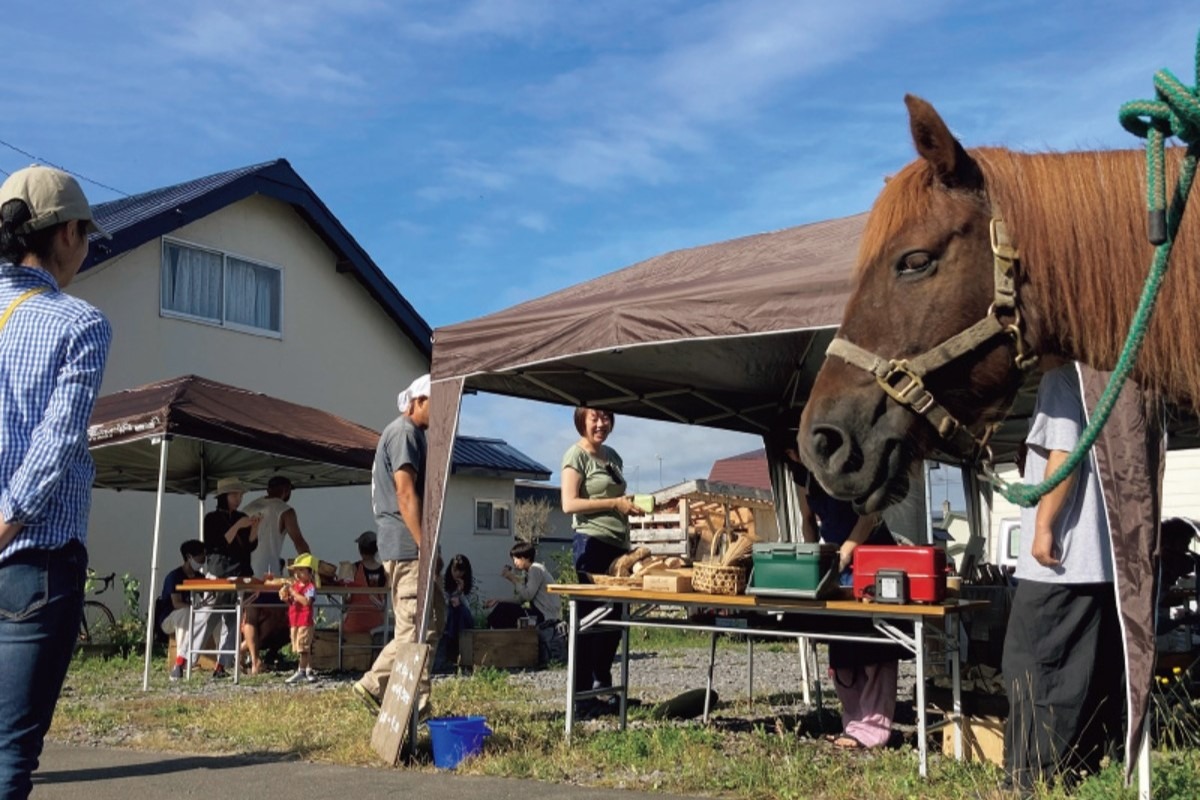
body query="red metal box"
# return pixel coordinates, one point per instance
(924, 566)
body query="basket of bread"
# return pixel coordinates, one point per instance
(631, 568)
(724, 573)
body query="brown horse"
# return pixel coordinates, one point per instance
(932, 264)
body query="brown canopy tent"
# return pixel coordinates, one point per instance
(181, 435)
(725, 336)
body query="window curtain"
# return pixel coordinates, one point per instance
(252, 295)
(191, 282)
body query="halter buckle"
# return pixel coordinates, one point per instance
(912, 394)
(1002, 248)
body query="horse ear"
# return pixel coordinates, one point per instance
(934, 143)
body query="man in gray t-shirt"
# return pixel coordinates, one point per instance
(401, 449)
(1062, 661)
(397, 493)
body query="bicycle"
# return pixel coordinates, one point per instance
(96, 618)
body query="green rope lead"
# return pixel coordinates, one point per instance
(1175, 113)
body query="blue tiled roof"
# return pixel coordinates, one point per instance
(495, 455)
(138, 219)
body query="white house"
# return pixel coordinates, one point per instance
(247, 278)
(478, 520)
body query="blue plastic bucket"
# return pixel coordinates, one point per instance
(456, 738)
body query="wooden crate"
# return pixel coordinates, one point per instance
(206, 662)
(983, 740)
(503, 649)
(355, 656)
(664, 534)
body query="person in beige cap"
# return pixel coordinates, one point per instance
(53, 349)
(397, 490)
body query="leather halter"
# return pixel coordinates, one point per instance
(902, 379)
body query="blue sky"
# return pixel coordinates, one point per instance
(493, 151)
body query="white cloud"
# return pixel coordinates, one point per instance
(534, 221)
(628, 116)
(481, 19)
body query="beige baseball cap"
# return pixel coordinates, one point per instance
(53, 197)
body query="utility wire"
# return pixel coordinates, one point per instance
(47, 161)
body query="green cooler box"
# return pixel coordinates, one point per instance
(794, 569)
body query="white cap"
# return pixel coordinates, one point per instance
(418, 388)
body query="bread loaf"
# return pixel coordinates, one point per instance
(623, 566)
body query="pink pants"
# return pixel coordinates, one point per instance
(868, 697)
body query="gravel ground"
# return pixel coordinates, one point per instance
(655, 676)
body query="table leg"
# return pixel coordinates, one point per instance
(624, 696)
(750, 670)
(192, 637)
(237, 637)
(805, 679)
(712, 659)
(572, 656)
(922, 729)
(951, 628)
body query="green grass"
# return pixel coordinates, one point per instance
(103, 703)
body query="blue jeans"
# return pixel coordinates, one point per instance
(41, 601)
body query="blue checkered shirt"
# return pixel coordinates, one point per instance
(52, 354)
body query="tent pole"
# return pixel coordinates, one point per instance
(162, 486)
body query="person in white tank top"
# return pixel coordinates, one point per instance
(278, 522)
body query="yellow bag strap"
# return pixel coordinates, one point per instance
(13, 305)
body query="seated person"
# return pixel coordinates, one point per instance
(530, 580)
(1176, 561)
(179, 605)
(459, 584)
(363, 612)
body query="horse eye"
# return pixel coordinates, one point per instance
(914, 263)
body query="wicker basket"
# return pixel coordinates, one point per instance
(608, 580)
(712, 577)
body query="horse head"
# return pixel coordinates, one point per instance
(925, 275)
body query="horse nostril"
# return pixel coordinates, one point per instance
(827, 441)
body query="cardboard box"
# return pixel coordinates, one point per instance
(514, 648)
(983, 740)
(667, 581)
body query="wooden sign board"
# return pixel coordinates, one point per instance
(395, 715)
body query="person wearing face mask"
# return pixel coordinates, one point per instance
(365, 612)
(177, 619)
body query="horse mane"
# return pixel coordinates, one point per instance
(1078, 220)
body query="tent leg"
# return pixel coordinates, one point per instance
(162, 485)
(1143, 765)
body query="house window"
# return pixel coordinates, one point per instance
(492, 516)
(221, 289)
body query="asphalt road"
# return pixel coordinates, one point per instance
(70, 772)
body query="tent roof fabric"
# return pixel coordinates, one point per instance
(711, 335)
(140, 218)
(217, 431)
